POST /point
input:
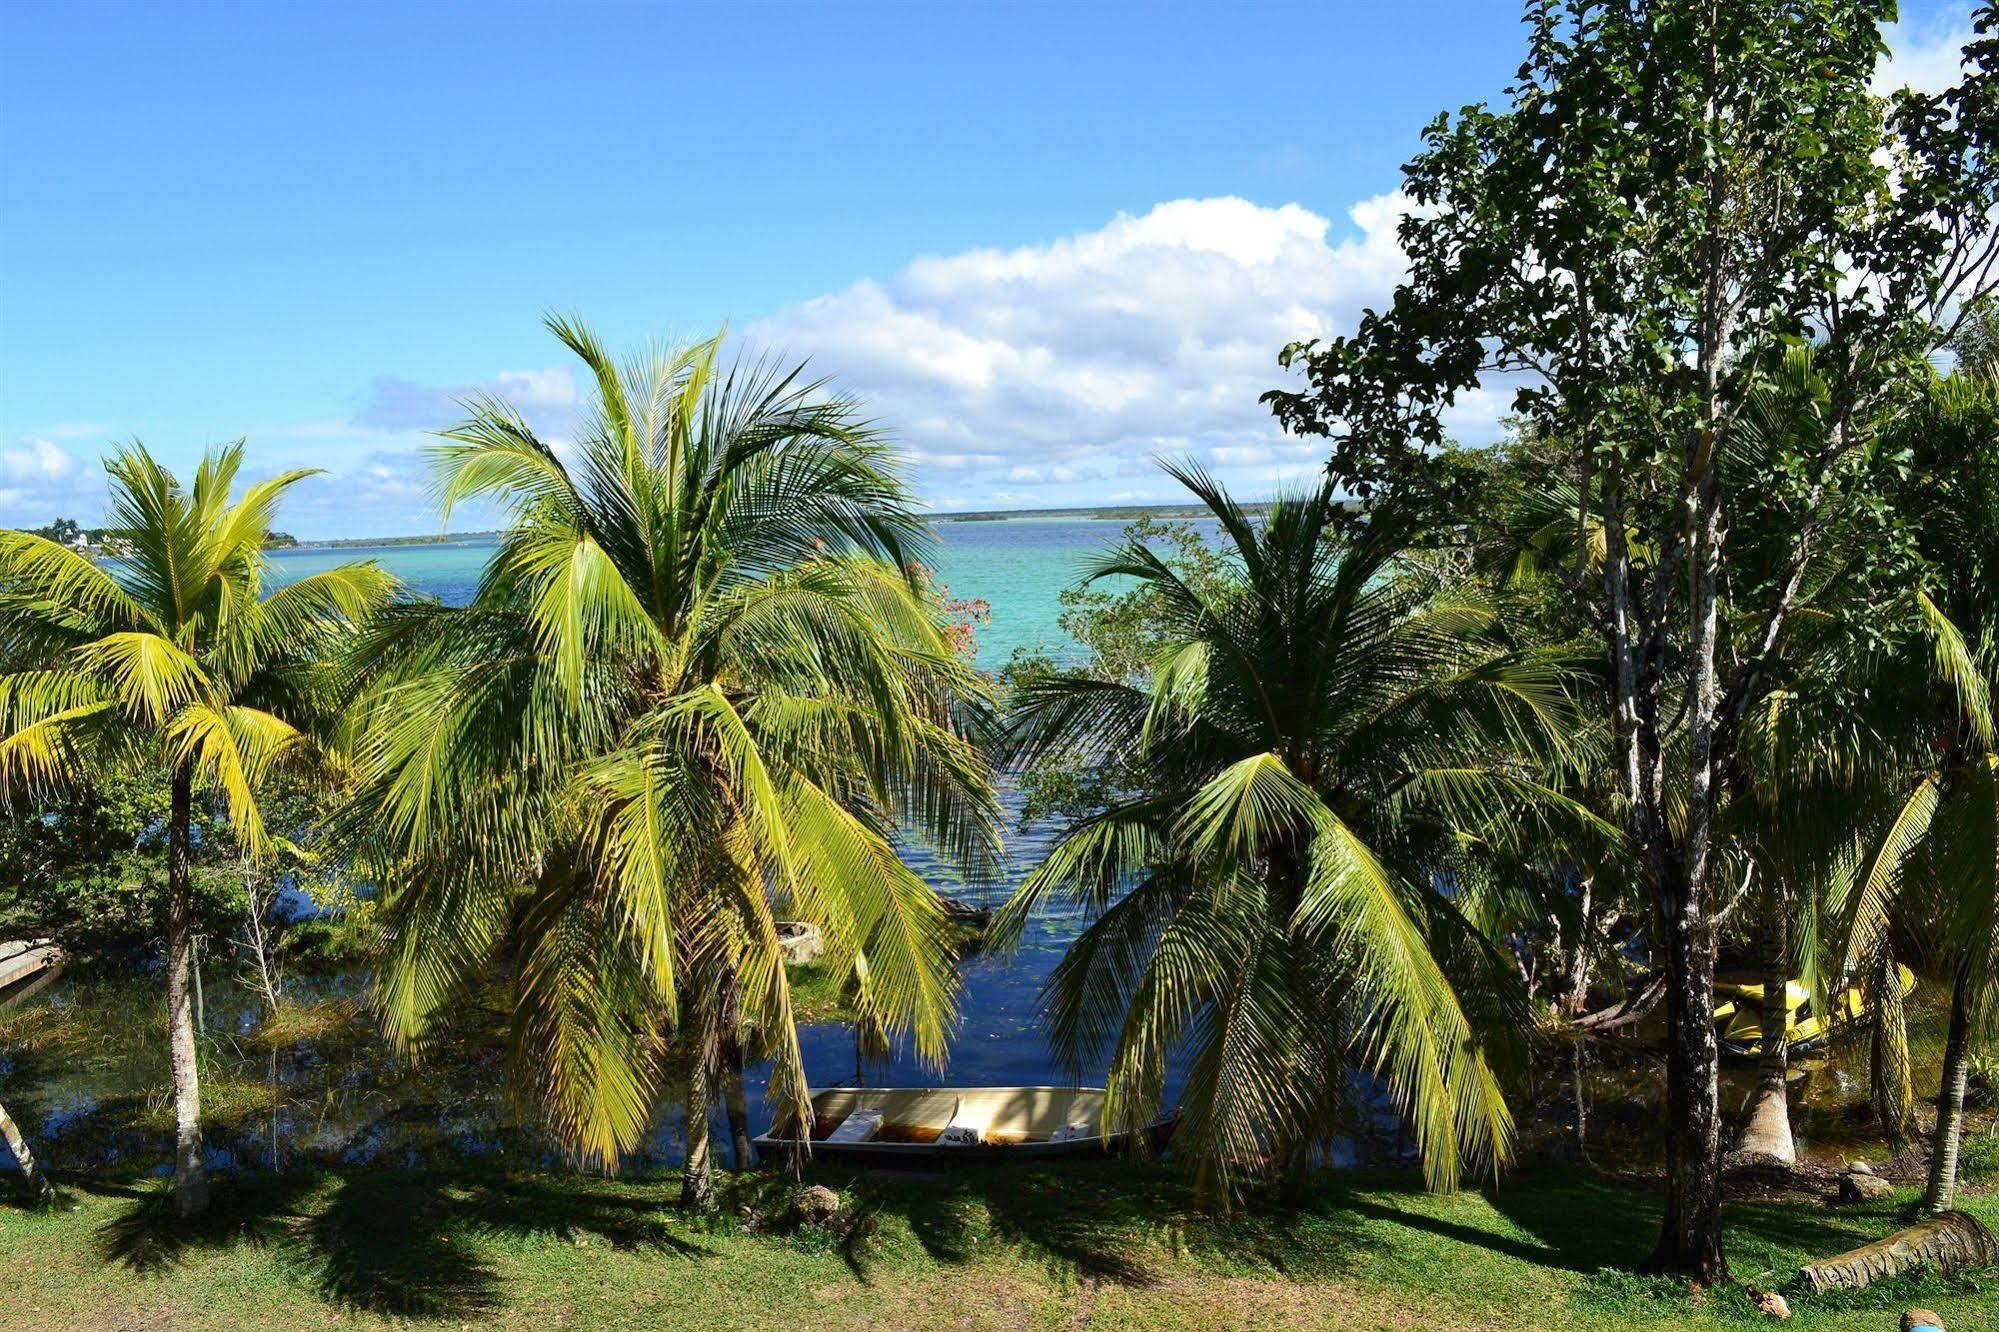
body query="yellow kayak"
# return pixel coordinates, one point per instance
(1739, 1013)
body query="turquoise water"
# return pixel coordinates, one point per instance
(1019, 566)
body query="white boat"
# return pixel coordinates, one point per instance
(943, 1123)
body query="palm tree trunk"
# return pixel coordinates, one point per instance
(1769, 1131)
(190, 1171)
(742, 1144)
(697, 1171)
(1950, 1100)
(729, 1061)
(1888, 1058)
(1290, 1152)
(39, 1187)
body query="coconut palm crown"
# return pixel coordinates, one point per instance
(173, 656)
(1323, 740)
(699, 690)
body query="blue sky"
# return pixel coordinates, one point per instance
(1045, 243)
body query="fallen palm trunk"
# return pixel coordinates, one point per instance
(1945, 1242)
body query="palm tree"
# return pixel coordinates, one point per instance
(699, 688)
(1325, 743)
(1932, 869)
(174, 657)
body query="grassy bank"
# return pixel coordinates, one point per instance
(1106, 1245)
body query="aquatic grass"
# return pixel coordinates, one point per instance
(328, 1022)
(817, 994)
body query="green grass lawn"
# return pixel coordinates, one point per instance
(1102, 1245)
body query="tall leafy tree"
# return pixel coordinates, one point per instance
(177, 659)
(1319, 740)
(1676, 193)
(701, 687)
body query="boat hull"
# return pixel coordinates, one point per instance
(1012, 1124)
(1741, 1035)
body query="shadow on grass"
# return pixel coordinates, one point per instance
(1095, 1219)
(1580, 1222)
(1111, 1221)
(146, 1236)
(1119, 1221)
(1588, 1222)
(1605, 1228)
(402, 1244)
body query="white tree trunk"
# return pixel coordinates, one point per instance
(190, 1165)
(1945, 1242)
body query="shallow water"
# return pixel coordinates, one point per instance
(83, 1067)
(1019, 566)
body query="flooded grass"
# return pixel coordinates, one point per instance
(87, 1069)
(1831, 1116)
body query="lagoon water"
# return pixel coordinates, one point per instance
(347, 1100)
(1017, 565)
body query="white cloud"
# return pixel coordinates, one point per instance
(547, 398)
(41, 481)
(1048, 374)
(1925, 54)
(39, 462)
(1034, 375)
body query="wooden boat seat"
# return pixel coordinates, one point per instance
(956, 1134)
(861, 1126)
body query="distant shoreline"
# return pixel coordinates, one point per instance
(437, 539)
(1107, 513)
(1114, 513)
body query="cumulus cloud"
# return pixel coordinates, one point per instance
(1043, 374)
(41, 481)
(1049, 374)
(38, 462)
(1925, 54)
(547, 398)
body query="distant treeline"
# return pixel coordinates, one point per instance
(434, 539)
(1123, 514)
(66, 531)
